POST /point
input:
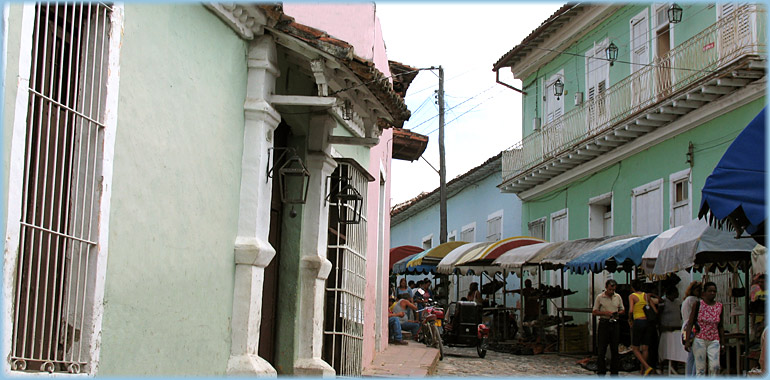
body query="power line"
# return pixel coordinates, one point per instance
(459, 104)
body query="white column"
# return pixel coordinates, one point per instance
(253, 252)
(314, 267)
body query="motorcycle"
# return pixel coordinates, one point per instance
(463, 327)
(430, 330)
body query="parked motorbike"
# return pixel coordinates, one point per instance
(429, 333)
(463, 327)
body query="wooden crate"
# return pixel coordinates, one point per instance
(574, 338)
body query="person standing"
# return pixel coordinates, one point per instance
(608, 306)
(708, 341)
(641, 330)
(692, 296)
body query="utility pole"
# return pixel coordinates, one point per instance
(442, 156)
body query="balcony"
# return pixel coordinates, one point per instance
(719, 60)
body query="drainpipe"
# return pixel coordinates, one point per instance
(497, 80)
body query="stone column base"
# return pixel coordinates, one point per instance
(249, 365)
(313, 367)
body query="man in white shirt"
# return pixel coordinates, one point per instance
(607, 307)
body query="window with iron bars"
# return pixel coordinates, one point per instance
(55, 267)
(345, 286)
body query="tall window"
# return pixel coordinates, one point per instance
(452, 236)
(60, 202)
(344, 318)
(537, 228)
(597, 79)
(495, 226)
(427, 242)
(600, 215)
(681, 211)
(468, 233)
(647, 208)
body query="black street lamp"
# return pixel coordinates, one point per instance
(674, 13)
(558, 88)
(612, 53)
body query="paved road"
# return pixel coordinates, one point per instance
(461, 361)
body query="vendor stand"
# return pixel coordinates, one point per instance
(701, 247)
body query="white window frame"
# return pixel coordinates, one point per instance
(466, 228)
(650, 186)
(645, 16)
(490, 217)
(452, 236)
(601, 199)
(428, 238)
(559, 214)
(104, 192)
(550, 97)
(673, 178)
(537, 221)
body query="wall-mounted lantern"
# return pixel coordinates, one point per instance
(350, 202)
(558, 88)
(293, 177)
(347, 110)
(674, 13)
(612, 53)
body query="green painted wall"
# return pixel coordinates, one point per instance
(9, 98)
(710, 140)
(175, 194)
(616, 28)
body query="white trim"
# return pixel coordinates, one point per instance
(548, 94)
(676, 177)
(466, 228)
(644, 16)
(452, 234)
(600, 199)
(110, 127)
(15, 177)
(685, 123)
(643, 189)
(496, 214)
(540, 220)
(558, 214)
(427, 238)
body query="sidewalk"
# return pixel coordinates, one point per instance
(414, 359)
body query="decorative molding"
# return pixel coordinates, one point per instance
(319, 72)
(246, 20)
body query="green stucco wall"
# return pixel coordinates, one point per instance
(710, 140)
(697, 16)
(175, 193)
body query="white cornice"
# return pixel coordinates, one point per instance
(246, 20)
(687, 122)
(566, 36)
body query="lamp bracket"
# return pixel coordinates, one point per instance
(275, 162)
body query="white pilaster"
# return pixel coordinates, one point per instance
(253, 252)
(314, 267)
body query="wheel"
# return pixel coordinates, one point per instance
(481, 348)
(427, 336)
(439, 343)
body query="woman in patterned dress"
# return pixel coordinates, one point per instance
(708, 341)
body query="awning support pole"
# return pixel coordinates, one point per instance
(746, 315)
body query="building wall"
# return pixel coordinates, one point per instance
(710, 140)
(615, 28)
(169, 282)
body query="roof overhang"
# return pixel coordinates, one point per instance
(408, 145)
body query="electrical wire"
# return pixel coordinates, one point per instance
(459, 104)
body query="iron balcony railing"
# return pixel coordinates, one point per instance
(736, 36)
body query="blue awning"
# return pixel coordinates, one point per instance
(736, 187)
(400, 266)
(611, 255)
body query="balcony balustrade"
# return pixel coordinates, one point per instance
(644, 99)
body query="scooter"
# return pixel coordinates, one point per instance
(431, 329)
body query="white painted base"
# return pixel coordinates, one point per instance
(313, 367)
(251, 365)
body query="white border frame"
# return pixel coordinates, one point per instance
(645, 14)
(16, 173)
(676, 177)
(495, 215)
(452, 234)
(426, 238)
(601, 198)
(466, 228)
(558, 214)
(535, 221)
(647, 187)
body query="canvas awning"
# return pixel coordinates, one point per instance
(400, 266)
(447, 264)
(612, 256)
(698, 243)
(571, 249)
(735, 190)
(652, 251)
(517, 258)
(484, 260)
(400, 252)
(434, 255)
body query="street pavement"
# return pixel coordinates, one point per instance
(461, 361)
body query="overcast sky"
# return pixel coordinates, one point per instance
(482, 117)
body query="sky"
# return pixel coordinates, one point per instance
(482, 118)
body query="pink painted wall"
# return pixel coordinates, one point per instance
(358, 25)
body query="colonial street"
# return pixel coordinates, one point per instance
(462, 361)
